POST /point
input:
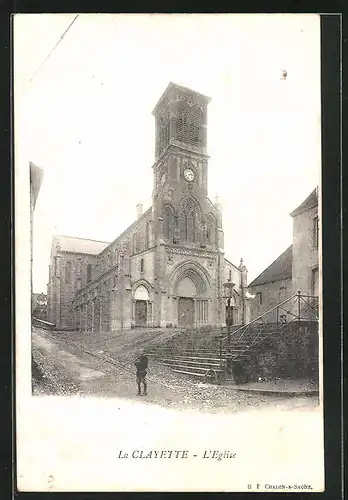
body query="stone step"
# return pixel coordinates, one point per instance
(190, 369)
(199, 358)
(190, 373)
(190, 362)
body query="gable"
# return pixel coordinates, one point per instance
(280, 269)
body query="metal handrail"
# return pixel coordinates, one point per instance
(261, 317)
(279, 326)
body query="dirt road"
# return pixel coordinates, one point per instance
(66, 364)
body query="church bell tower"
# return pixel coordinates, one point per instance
(183, 213)
(187, 226)
(181, 140)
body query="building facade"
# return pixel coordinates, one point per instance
(306, 239)
(35, 177)
(168, 268)
(273, 285)
(296, 269)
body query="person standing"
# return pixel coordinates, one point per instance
(141, 364)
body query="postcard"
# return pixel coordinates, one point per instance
(168, 253)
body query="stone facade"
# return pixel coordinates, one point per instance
(36, 177)
(268, 295)
(168, 268)
(297, 269)
(305, 266)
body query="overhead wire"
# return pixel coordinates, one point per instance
(54, 48)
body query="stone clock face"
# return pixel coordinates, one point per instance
(188, 174)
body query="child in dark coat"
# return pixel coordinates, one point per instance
(141, 364)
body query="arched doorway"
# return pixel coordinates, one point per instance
(140, 313)
(191, 292)
(141, 309)
(186, 291)
(185, 312)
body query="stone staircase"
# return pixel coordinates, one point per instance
(193, 353)
(206, 355)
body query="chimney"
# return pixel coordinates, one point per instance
(139, 210)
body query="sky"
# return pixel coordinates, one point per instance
(84, 116)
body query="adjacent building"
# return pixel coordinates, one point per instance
(305, 262)
(36, 177)
(296, 269)
(168, 268)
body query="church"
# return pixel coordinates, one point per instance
(168, 268)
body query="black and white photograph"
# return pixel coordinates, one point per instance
(168, 252)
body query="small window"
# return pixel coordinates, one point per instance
(315, 282)
(142, 265)
(89, 272)
(282, 293)
(68, 272)
(259, 297)
(315, 232)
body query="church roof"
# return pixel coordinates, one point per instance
(231, 263)
(310, 202)
(80, 245)
(280, 269)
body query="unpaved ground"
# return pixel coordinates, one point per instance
(62, 366)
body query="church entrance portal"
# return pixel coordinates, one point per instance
(185, 312)
(140, 313)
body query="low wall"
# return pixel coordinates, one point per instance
(291, 353)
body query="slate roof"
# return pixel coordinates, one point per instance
(80, 245)
(231, 263)
(280, 269)
(310, 202)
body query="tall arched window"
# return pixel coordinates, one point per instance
(181, 123)
(134, 242)
(168, 222)
(188, 124)
(194, 126)
(68, 272)
(210, 229)
(188, 218)
(191, 226)
(147, 235)
(89, 272)
(175, 229)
